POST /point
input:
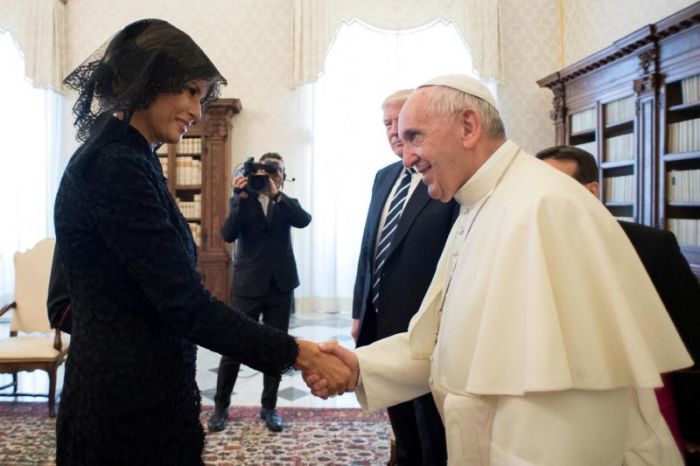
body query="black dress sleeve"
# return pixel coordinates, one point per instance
(58, 300)
(131, 216)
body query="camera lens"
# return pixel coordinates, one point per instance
(258, 182)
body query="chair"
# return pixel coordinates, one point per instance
(24, 350)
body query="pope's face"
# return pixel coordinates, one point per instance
(432, 145)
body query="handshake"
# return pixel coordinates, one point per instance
(327, 368)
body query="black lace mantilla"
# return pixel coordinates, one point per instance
(146, 58)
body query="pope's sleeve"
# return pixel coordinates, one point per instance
(388, 373)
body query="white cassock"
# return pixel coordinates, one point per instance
(551, 335)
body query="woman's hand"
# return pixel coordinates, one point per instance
(330, 373)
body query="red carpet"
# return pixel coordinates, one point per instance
(311, 437)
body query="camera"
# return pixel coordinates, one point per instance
(258, 183)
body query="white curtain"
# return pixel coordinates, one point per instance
(348, 144)
(317, 22)
(38, 27)
(29, 167)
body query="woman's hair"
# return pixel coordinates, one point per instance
(146, 58)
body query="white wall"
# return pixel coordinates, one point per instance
(591, 25)
(250, 42)
(530, 51)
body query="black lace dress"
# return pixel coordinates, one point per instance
(139, 310)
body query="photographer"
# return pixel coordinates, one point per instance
(264, 270)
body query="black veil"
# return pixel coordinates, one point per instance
(146, 58)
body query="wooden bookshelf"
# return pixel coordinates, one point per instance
(645, 92)
(198, 174)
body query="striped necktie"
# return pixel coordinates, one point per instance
(398, 201)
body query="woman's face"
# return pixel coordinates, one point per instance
(171, 114)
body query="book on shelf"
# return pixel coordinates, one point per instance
(196, 230)
(162, 149)
(687, 230)
(189, 146)
(684, 136)
(619, 148)
(191, 209)
(583, 121)
(620, 110)
(188, 170)
(589, 147)
(690, 89)
(683, 186)
(619, 189)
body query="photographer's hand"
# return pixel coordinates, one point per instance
(239, 184)
(273, 189)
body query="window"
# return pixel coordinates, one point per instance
(363, 66)
(29, 145)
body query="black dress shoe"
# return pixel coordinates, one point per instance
(217, 420)
(272, 420)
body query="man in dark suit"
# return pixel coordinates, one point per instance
(675, 282)
(404, 235)
(264, 271)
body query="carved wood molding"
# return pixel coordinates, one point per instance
(648, 35)
(648, 83)
(558, 112)
(650, 80)
(218, 116)
(648, 60)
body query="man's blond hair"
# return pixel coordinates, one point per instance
(398, 96)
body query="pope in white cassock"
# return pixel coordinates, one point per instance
(541, 336)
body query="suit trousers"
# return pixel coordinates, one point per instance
(275, 308)
(420, 435)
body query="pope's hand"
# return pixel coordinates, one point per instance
(324, 366)
(322, 387)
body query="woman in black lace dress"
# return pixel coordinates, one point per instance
(139, 308)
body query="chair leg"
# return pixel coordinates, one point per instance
(393, 460)
(14, 383)
(52, 391)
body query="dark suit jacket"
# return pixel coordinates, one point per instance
(413, 256)
(264, 249)
(680, 292)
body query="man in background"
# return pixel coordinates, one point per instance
(677, 286)
(404, 235)
(260, 219)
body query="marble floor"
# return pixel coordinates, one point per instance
(320, 326)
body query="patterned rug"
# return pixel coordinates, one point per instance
(311, 437)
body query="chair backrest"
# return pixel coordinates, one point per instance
(32, 271)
